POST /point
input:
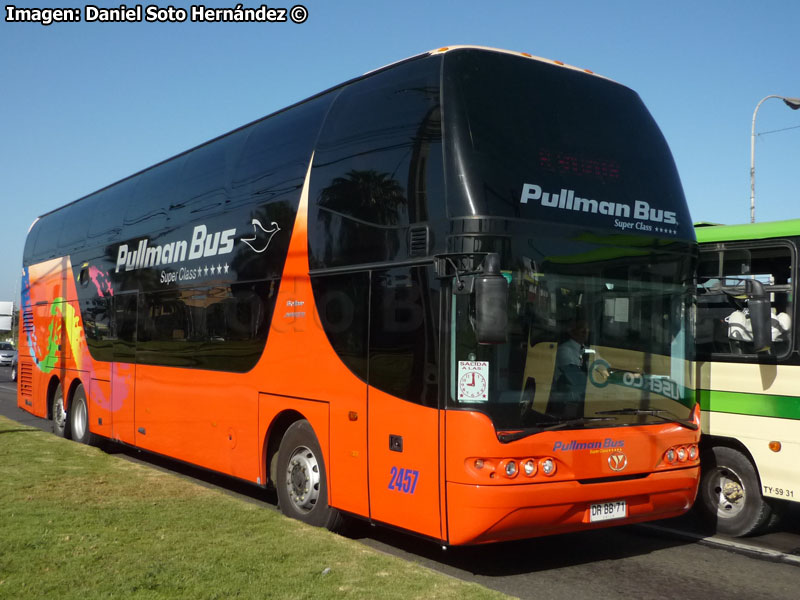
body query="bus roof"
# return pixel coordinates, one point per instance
(436, 51)
(514, 53)
(707, 232)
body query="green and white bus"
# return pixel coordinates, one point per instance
(749, 372)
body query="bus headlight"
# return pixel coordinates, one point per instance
(682, 454)
(529, 467)
(511, 469)
(547, 466)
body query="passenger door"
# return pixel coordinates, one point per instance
(404, 430)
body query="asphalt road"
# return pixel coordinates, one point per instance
(668, 559)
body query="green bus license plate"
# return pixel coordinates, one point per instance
(607, 511)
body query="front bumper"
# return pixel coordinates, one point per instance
(482, 514)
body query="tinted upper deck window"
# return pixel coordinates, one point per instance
(377, 166)
(276, 153)
(513, 121)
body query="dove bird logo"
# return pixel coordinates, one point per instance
(261, 236)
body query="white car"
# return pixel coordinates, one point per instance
(8, 356)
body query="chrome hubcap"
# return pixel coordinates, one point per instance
(731, 496)
(79, 422)
(303, 479)
(60, 415)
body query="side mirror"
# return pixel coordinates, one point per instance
(491, 303)
(760, 314)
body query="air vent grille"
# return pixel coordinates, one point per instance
(419, 241)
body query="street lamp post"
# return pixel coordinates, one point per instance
(794, 104)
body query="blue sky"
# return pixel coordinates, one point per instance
(85, 104)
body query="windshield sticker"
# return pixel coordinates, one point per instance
(655, 384)
(473, 381)
(640, 217)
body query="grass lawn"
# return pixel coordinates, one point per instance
(76, 522)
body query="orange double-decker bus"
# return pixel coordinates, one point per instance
(451, 296)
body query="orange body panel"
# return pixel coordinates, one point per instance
(123, 402)
(347, 458)
(99, 391)
(210, 422)
(404, 480)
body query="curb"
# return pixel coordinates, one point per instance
(726, 544)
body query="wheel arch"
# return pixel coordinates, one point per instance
(715, 441)
(52, 385)
(277, 429)
(72, 387)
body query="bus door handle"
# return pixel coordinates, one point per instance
(395, 443)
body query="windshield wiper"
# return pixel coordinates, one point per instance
(505, 438)
(664, 415)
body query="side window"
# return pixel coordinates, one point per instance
(377, 168)
(74, 224)
(277, 150)
(124, 327)
(106, 217)
(403, 346)
(723, 321)
(153, 190)
(219, 328)
(46, 242)
(204, 179)
(267, 180)
(96, 312)
(343, 302)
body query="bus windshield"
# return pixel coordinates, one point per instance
(567, 178)
(597, 337)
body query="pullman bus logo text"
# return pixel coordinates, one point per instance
(202, 245)
(573, 445)
(644, 218)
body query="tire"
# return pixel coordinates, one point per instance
(730, 493)
(79, 418)
(302, 481)
(59, 413)
(14, 372)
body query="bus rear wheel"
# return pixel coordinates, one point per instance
(79, 418)
(59, 413)
(730, 493)
(301, 479)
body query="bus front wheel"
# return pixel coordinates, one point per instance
(301, 479)
(730, 493)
